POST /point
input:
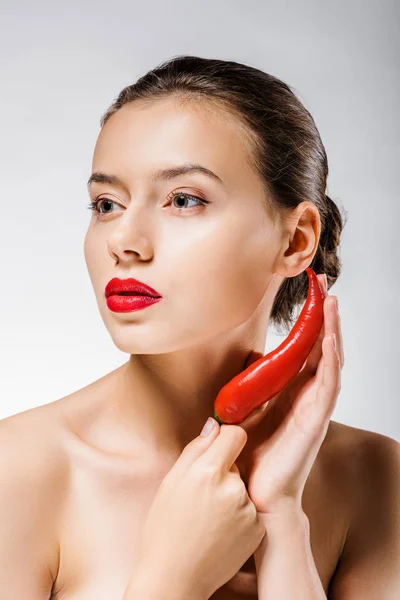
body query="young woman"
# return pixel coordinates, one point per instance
(208, 186)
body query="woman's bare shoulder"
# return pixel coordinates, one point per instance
(30, 435)
(34, 433)
(366, 465)
(34, 451)
(360, 468)
(35, 469)
(355, 442)
(47, 424)
(33, 475)
(360, 455)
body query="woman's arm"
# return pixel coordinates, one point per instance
(369, 567)
(28, 548)
(284, 561)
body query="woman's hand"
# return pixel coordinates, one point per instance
(285, 435)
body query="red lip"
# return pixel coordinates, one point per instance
(117, 286)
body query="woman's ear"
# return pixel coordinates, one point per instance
(302, 230)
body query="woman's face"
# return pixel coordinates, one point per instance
(213, 262)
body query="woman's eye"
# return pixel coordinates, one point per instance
(95, 204)
(180, 197)
(183, 198)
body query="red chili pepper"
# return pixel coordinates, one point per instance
(267, 376)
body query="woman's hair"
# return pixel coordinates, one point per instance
(285, 148)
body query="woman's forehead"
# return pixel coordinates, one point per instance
(148, 122)
(166, 133)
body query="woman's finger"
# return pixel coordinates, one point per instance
(333, 326)
(312, 416)
(330, 322)
(338, 333)
(329, 377)
(311, 364)
(339, 336)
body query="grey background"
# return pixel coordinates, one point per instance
(62, 65)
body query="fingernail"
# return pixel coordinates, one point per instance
(337, 303)
(208, 427)
(334, 340)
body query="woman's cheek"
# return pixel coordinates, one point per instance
(227, 289)
(89, 257)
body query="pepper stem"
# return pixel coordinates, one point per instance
(216, 417)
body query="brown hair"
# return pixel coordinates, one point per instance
(287, 151)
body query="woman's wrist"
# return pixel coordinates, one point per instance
(288, 513)
(290, 520)
(284, 561)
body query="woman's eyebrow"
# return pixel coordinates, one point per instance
(159, 175)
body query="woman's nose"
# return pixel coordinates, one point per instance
(129, 238)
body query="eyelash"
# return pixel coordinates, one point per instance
(94, 204)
